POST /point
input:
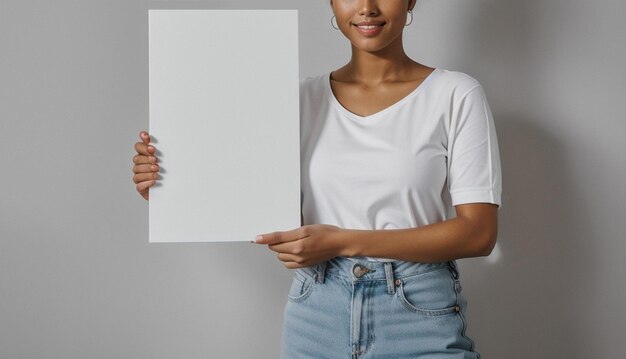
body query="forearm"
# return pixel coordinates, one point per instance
(451, 239)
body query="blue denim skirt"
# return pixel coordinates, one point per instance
(355, 308)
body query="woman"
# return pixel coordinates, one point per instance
(400, 177)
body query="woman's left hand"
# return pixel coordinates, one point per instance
(305, 246)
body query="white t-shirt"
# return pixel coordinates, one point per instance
(403, 167)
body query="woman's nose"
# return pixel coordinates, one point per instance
(368, 8)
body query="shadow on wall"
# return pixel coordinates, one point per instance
(524, 303)
(523, 300)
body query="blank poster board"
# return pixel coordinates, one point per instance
(224, 116)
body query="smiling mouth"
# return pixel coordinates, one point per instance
(369, 29)
(369, 26)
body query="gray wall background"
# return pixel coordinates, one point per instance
(78, 278)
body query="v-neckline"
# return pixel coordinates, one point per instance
(371, 118)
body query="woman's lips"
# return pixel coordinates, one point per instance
(369, 30)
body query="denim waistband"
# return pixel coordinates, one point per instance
(366, 270)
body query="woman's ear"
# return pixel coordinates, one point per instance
(411, 4)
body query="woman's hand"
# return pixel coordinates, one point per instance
(305, 246)
(146, 167)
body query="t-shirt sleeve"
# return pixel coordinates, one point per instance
(474, 172)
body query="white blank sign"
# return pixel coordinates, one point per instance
(224, 114)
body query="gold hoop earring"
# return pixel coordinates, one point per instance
(333, 25)
(410, 13)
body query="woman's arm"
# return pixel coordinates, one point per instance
(472, 233)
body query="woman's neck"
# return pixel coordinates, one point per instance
(371, 68)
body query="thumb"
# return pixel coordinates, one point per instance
(145, 137)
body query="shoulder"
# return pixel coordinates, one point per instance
(312, 83)
(457, 84)
(313, 87)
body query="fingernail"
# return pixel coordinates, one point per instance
(258, 238)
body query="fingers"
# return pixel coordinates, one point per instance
(146, 171)
(286, 257)
(273, 238)
(279, 237)
(139, 159)
(141, 177)
(291, 261)
(142, 187)
(146, 167)
(145, 149)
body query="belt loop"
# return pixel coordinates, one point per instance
(454, 268)
(321, 271)
(391, 288)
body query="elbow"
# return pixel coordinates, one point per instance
(484, 240)
(487, 243)
(488, 246)
(481, 226)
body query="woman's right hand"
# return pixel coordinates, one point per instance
(146, 167)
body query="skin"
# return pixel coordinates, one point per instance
(145, 168)
(378, 75)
